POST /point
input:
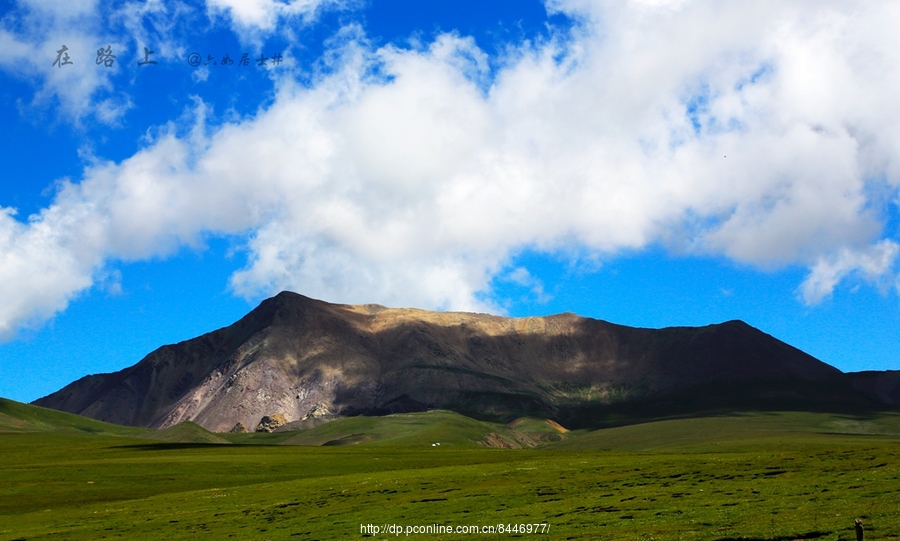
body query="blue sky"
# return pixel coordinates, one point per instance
(649, 162)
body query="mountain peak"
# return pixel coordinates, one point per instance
(304, 358)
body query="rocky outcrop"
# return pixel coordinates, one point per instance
(311, 361)
(319, 411)
(238, 428)
(271, 423)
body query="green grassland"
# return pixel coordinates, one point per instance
(18, 417)
(417, 429)
(776, 476)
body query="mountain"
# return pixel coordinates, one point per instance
(307, 360)
(884, 385)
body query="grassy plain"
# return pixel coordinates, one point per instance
(770, 476)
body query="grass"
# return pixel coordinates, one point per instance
(422, 429)
(735, 431)
(775, 476)
(18, 417)
(186, 432)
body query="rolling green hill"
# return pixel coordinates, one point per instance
(18, 417)
(706, 433)
(186, 432)
(700, 433)
(432, 428)
(735, 431)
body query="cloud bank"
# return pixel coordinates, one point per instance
(751, 130)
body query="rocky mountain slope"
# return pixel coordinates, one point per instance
(306, 360)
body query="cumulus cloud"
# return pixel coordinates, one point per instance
(41, 273)
(747, 129)
(873, 264)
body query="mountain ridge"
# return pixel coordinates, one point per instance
(308, 359)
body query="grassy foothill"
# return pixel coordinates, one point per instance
(768, 476)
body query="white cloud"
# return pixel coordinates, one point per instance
(159, 25)
(282, 259)
(251, 17)
(749, 129)
(875, 264)
(40, 272)
(522, 277)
